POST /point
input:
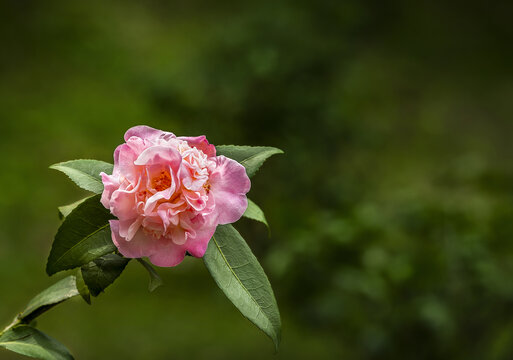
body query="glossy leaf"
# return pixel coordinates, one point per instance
(83, 236)
(31, 342)
(45, 300)
(239, 275)
(85, 173)
(155, 280)
(101, 272)
(252, 157)
(254, 212)
(82, 287)
(65, 210)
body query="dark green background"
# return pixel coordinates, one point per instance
(391, 211)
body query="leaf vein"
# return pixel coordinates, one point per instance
(241, 284)
(80, 242)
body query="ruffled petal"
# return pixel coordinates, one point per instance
(140, 245)
(169, 195)
(165, 194)
(229, 184)
(200, 143)
(110, 184)
(145, 132)
(168, 254)
(123, 203)
(179, 235)
(159, 155)
(124, 157)
(205, 227)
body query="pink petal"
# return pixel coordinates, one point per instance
(124, 157)
(229, 185)
(179, 236)
(124, 229)
(161, 252)
(136, 144)
(168, 254)
(161, 195)
(110, 184)
(145, 132)
(159, 155)
(205, 228)
(123, 203)
(153, 223)
(133, 228)
(200, 143)
(140, 245)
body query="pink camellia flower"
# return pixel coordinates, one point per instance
(169, 194)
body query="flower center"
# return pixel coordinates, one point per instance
(162, 181)
(206, 186)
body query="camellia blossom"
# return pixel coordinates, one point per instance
(169, 194)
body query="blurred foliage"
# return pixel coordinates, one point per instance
(391, 212)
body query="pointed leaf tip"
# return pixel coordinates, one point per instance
(65, 210)
(239, 275)
(85, 173)
(254, 212)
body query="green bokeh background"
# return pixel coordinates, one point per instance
(391, 211)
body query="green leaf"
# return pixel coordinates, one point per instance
(82, 287)
(255, 213)
(83, 236)
(252, 157)
(155, 280)
(31, 342)
(101, 272)
(45, 300)
(65, 210)
(85, 173)
(239, 275)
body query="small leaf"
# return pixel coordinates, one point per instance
(31, 342)
(239, 275)
(155, 280)
(255, 213)
(101, 272)
(85, 173)
(65, 210)
(48, 298)
(252, 157)
(83, 236)
(82, 287)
